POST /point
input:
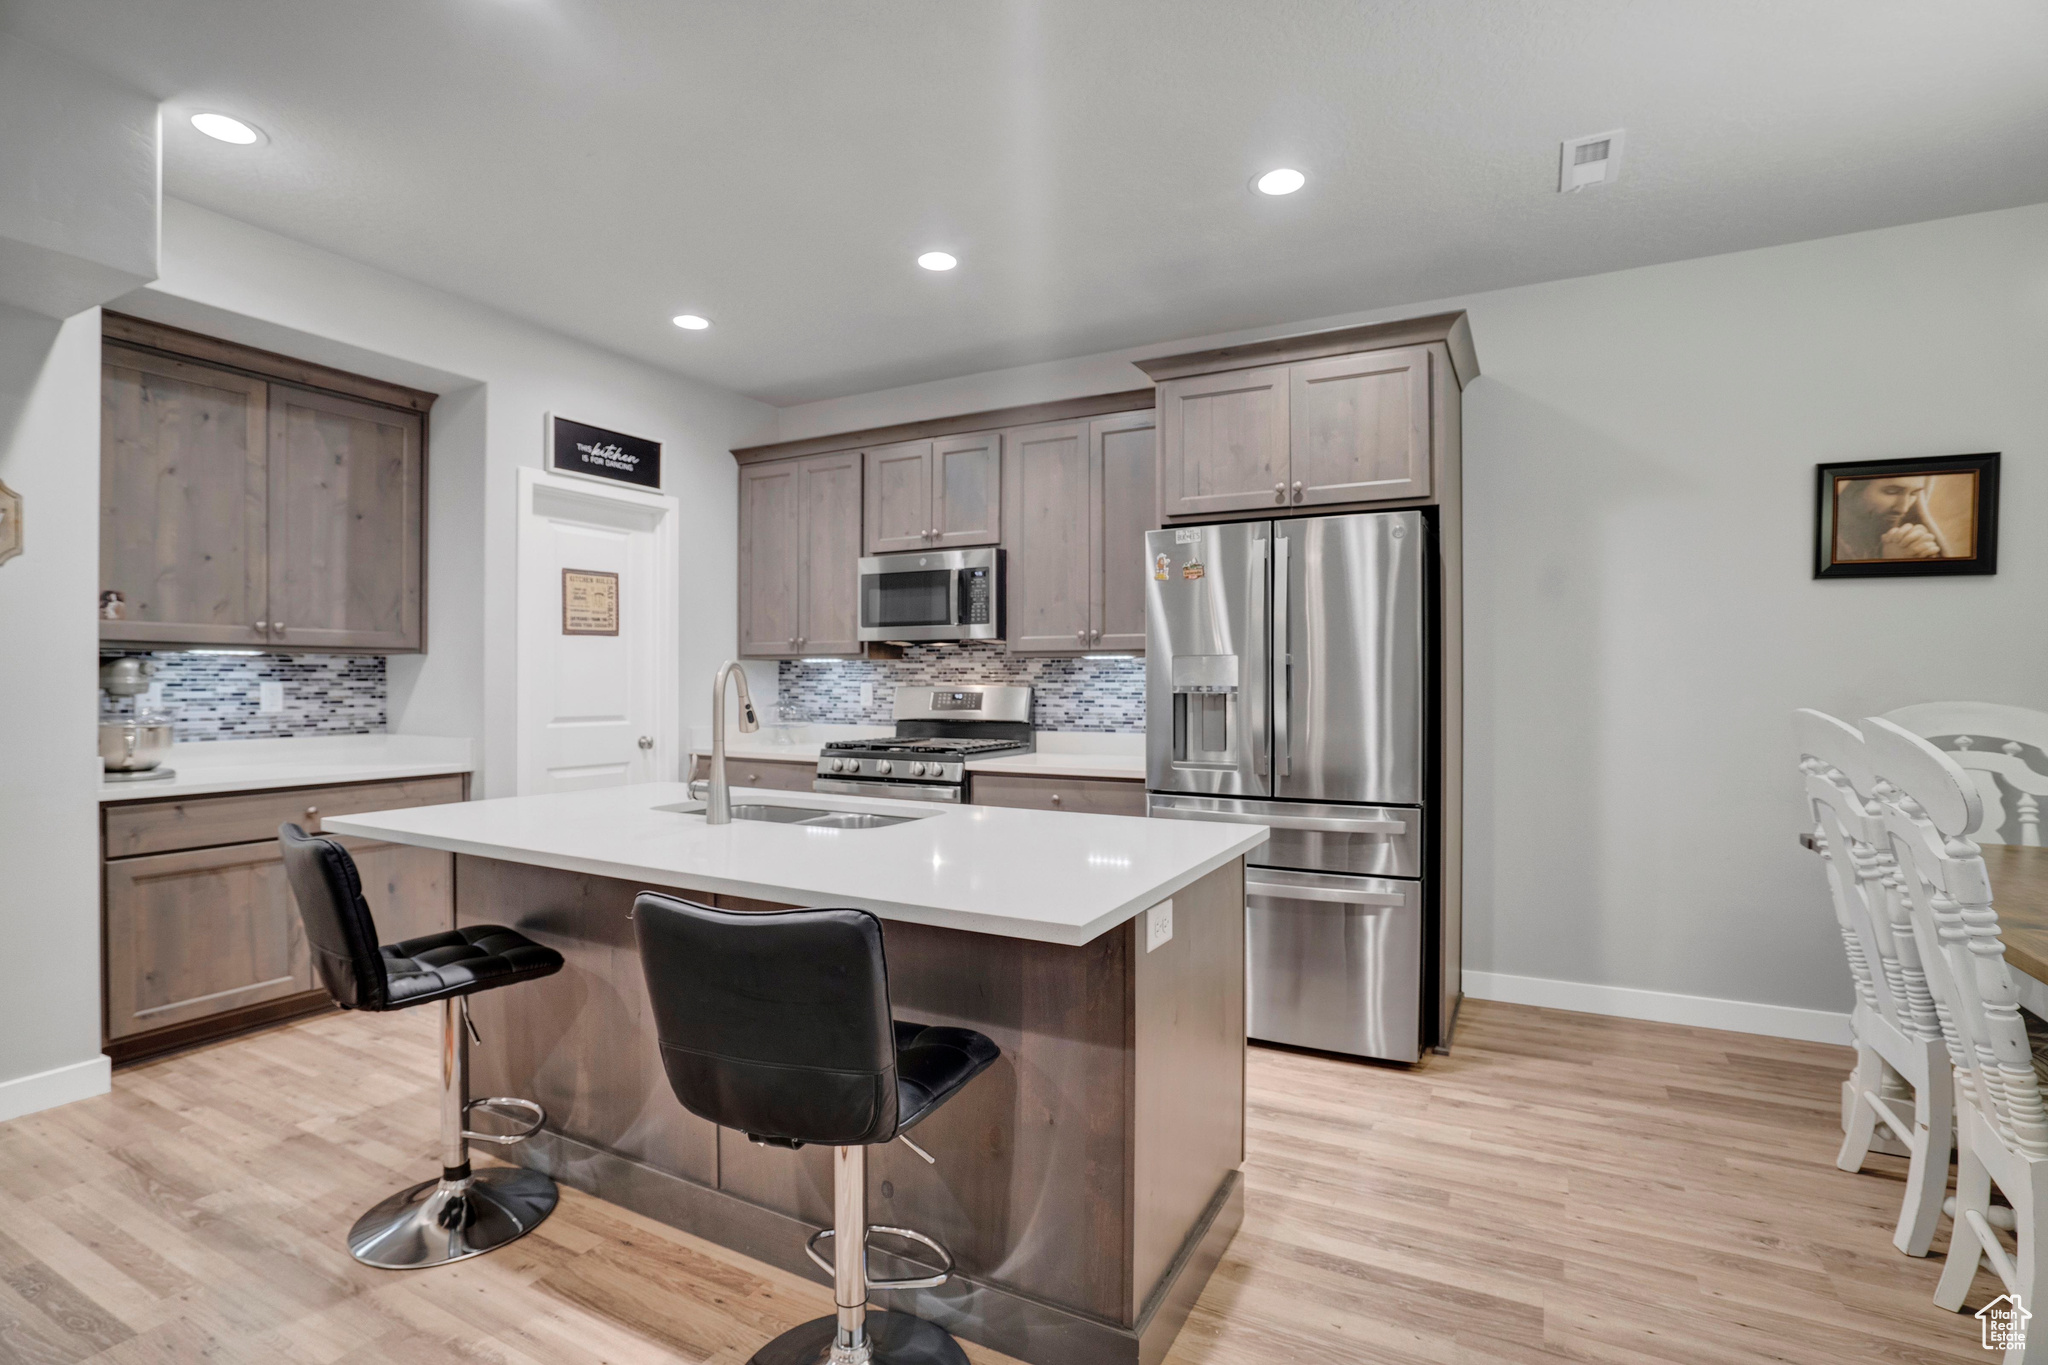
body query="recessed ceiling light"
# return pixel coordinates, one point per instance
(690, 322)
(936, 260)
(224, 129)
(1282, 181)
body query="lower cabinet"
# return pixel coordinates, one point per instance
(776, 774)
(1090, 795)
(204, 941)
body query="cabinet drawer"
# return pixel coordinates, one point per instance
(1093, 796)
(776, 774)
(249, 817)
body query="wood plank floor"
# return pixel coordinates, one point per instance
(1564, 1188)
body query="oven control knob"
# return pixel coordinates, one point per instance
(838, 765)
(885, 767)
(917, 770)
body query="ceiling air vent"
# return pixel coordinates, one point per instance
(1585, 161)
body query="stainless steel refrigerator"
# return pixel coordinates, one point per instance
(1288, 684)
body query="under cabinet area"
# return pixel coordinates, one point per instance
(1077, 504)
(800, 526)
(243, 502)
(201, 935)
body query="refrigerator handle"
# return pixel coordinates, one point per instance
(1261, 742)
(1283, 664)
(1257, 887)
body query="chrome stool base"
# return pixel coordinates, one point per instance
(893, 1339)
(438, 1221)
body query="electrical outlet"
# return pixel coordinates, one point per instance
(1158, 925)
(270, 698)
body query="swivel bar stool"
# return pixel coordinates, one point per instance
(461, 1213)
(777, 1024)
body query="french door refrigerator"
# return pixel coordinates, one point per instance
(1288, 684)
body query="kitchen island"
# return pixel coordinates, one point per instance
(1086, 1184)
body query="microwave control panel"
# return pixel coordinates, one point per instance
(976, 602)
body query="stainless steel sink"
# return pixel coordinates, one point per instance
(812, 817)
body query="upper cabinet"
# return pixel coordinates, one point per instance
(1224, 442)
(800, 526)
(1078, 503)
(236, 509)
(1345, 418)
(931, 495)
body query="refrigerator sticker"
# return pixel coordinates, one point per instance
(1160, 564)
(1185, 536)
(1192, 569)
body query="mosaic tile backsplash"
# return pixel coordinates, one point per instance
(219, 696)
(1066, 694)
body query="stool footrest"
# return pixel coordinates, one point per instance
(919, 1282)
(498, 1105)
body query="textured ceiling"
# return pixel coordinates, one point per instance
(599, 165)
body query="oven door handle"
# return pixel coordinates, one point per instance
(1257, 887)
(1312, 824)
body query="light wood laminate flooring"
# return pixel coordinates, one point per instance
(1563, 1188)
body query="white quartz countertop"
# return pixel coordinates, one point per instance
(312, 761)
(1053, 876)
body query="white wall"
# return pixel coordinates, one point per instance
(499, 376)
(1641, 616)
(79, 168)
(49, 783)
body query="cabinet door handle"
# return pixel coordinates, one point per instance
(277, 627)
(1082, 636)
(1279, 492)
(1055, 798)
(263, 626)
(1297, 490)
(312, 811)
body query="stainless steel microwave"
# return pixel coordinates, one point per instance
(932, 595)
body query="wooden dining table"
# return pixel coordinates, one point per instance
(2019, 892)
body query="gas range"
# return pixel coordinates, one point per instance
(938, 729)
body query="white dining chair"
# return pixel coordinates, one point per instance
(1994, 744)
(1897, 1034)
(1930, 808)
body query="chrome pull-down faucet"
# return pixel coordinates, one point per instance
(718, 798)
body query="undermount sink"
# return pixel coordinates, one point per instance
(812, 817)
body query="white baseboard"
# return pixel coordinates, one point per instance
(59, 1085)
(1664, 1007)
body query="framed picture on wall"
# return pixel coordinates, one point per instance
(1907, 518)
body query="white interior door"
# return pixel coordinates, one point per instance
(597, 678)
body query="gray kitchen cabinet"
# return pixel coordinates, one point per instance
(1048, 539)
(1078, 503)
(345, 523)
(1085, 795)
(1358, 426)
(898, 511)
(1123, 454)
(829, 618)
(771, 558)
(800, 536)
(775, 774)
(1342, 429)
(200, 933)
(239, 510)
(1223, 442)
(967, 490)
(183, 495)
(934, 495)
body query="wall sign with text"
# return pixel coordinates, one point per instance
(574, 448)
(590, 602)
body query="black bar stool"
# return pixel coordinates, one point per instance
(777, 1024)
(461, 1213)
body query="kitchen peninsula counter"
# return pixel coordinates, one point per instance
(1086, 1184)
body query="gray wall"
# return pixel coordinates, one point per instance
(49, 784)
(1641, 616)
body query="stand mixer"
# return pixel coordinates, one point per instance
(133, 749)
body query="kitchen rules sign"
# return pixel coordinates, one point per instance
(600, 454)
